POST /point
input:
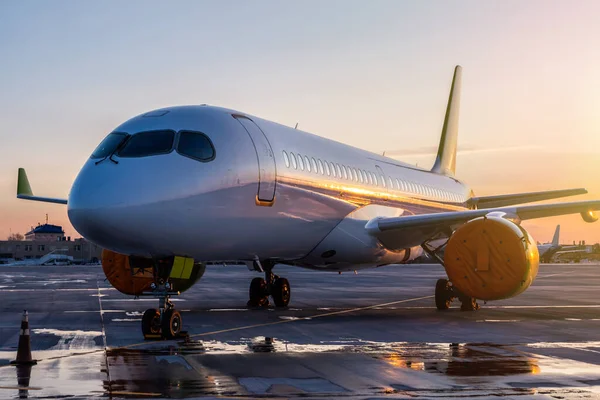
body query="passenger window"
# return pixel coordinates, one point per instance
(397, 184)
(307, 162)
(344, 174)
(148, 144)
(354, 175)
(286, 159)
(327, 168)
(339, 171)
(360, 177)
(300, 162)
(374, 177)
(321, 166)
(333, 170)
(364, 175)
(390, 182)
(314, 165)
(293, 158)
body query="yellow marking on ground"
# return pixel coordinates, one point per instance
(135, 394)
(20, 388)
(240, 328)
(287, 321)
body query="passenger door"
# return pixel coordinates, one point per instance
(266, 161)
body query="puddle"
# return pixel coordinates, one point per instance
(72, 340)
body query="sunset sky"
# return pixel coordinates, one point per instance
(371, 74)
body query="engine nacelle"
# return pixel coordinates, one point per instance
(491, 258)
(134, 275)
(589, 216)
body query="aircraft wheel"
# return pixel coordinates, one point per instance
(468, 303)
(443, 294)
(171, 323)
(281, 292)
(258, 293)
(151, 322)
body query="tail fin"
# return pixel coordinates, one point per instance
(555, 239)
(445, 162)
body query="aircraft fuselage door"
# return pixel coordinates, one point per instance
(266, 161)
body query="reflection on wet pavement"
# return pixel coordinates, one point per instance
(194, 368)
(341, 342)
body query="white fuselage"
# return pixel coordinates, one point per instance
(288, 196)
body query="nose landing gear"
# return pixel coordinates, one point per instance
(272, 285)
(164, 322)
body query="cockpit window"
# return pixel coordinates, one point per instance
(109, 145)
(195, 145)
(148, 144)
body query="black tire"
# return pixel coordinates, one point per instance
(151, 322)
(443, 294)
(258, 290)
(468, 303)
(171, 324)
(281, 292)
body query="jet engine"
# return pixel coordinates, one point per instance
(491, 258)
(134, 275)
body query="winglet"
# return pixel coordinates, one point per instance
(23, 187)
(24, 190)
(445, 162)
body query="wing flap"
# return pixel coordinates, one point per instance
(521, 198)
(24, 190)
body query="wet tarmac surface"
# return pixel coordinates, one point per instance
(372, 335)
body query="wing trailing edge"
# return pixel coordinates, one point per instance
(503, 200)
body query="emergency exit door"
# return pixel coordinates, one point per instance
(266, 161)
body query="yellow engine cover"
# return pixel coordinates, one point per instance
(491, 258)
(120, 275)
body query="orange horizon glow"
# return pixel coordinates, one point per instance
(372, 75)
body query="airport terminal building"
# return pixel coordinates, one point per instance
(45, 239)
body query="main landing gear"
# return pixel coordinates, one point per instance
(445, 292)
(272, 285)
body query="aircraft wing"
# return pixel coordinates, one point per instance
(24, 190)
(401, 232)
(521, 198)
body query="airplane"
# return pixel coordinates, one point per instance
(548, 250)
(178, 189)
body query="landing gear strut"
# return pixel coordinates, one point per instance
(163, 322)
(445, 292)
(272, 285)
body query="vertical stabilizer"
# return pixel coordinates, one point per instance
(555, 239)
(445, 162)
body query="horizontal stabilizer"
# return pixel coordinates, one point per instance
(521, 198)
(24, 190)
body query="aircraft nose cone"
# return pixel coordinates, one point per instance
(98, 208)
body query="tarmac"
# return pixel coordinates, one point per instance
(371, 335)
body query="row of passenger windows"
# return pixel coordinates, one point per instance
(327, 168)
(195, 145)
